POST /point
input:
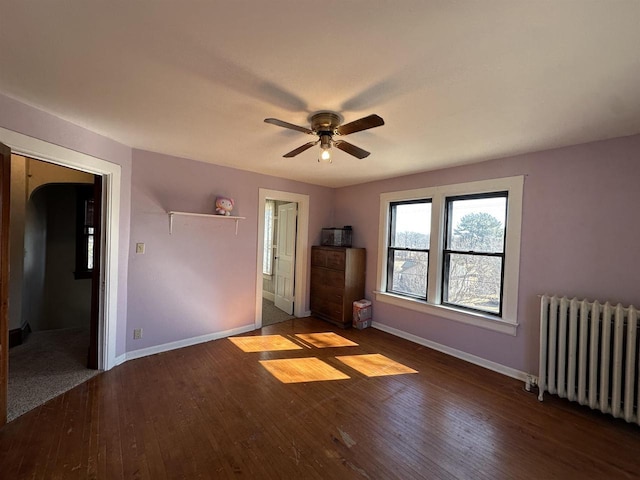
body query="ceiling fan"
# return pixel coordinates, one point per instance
(325, 125)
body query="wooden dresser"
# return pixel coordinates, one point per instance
(337, 280)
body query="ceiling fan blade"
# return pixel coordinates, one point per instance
(280, 123)
(298, 150)
(358, 125)
(351, 149)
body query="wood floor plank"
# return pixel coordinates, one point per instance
(44, 442)
(213, 411)
(69, 456)
(90, 431)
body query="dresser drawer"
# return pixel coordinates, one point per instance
(325, 276)
(336, 259)
(327, 310)
(327, 293)
(333, 258)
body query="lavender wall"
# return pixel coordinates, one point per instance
(27, 120)
(201, 279)
(580, 234)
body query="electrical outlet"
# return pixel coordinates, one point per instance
(140, 248)
(137, 333)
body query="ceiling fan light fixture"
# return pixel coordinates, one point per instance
(325, 148)
(325, 156)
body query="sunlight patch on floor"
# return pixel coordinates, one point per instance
(375, 365)
(264, 343)
(325, 340)
(297, 370)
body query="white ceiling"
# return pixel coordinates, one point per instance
(456, 81)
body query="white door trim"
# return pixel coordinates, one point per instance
(111, 174)
(302, 248)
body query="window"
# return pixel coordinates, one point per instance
(473, 253)
(453, 251)
(267, 257)
(408, 251)
(85, 232)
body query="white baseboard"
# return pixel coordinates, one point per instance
(187, 342)
(496, 367)
(269, 296)
(120, 359)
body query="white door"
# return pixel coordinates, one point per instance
(285, 256)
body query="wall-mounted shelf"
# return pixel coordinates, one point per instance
(189, 214)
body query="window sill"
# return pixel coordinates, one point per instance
(470, 318)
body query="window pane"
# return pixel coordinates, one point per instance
(267, 253)
(477, 224)
(474, 281)
(409, 272)
(89, 252)
(411, 225)
(88, 212)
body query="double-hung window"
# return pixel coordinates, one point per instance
(473, 254)
(453, 251)
(269, 228)
(408, 251)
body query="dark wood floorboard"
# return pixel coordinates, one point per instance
(212, 411)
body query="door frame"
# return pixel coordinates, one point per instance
(96, 274)
(5, 204)
(302, 248)
(111, 177)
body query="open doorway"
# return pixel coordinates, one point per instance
(278, 266)
(282, 256)
(111, 174)
(55, 225)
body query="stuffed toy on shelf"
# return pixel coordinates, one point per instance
(224, 205)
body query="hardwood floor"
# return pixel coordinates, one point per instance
(213, 411)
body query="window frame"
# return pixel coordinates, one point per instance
(447, 251)
(507, 322)
(391, 248)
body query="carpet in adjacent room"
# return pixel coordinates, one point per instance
(49, 363)
(272, 314)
